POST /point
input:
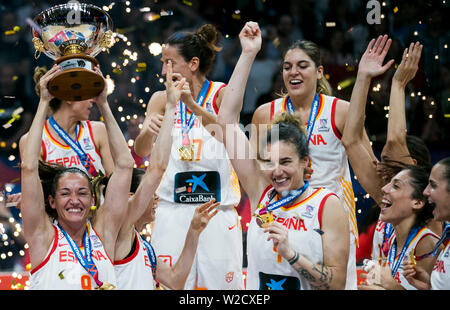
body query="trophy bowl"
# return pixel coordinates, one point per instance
(73, 34)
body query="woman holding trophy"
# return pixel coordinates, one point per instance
(69, 138)
(72, 251)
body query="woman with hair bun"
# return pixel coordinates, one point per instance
(198, 169)
(70, 139)
(298, 237)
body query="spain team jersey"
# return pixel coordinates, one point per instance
(267, 270)
(61, 270)
(378, 247)
(330, 164)
(57, 153)
(411, 248)
(186, 184)
(135, 271)
(209, 174)
(440, 276)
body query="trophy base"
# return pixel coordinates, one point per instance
(77, 81)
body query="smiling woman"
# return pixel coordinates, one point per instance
(71, 250)
(310, 255)
(309, 96)
(405, 207)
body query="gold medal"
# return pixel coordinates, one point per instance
(106, 287)
(263, 219)
(412, 258)
(186, 152)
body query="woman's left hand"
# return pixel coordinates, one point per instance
(203, 214)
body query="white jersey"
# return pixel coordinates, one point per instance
(135, 271)
(378, 253)
(423, 232)
(187, 184)
(60, 270)
(267, 270)
(440, 276)
(209, 174)
(330, 164)
(62, 154)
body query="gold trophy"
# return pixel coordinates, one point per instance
(73, 34)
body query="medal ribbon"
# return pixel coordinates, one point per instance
(151, 256)
(75, 145)
(187, 126)
(285, 200)
(444, 239)
(312, 114)
(86, 261)
(388, 230)
(395, 263)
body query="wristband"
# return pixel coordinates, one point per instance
(294, 259)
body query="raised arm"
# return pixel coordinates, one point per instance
(250, 37)
(395, 147)
(370, 66)
(159, 158)
(150, 127)
(109, 216)
(37, 227)
(238, 147)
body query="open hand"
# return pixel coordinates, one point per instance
(371, 63)
(409, 65)
(203, 214)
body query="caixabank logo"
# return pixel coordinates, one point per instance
(197, 186)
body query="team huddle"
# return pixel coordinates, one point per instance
(83, 203)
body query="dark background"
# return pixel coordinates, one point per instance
(339, 27)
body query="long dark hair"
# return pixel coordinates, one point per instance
(418, 179)
(50, 175)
